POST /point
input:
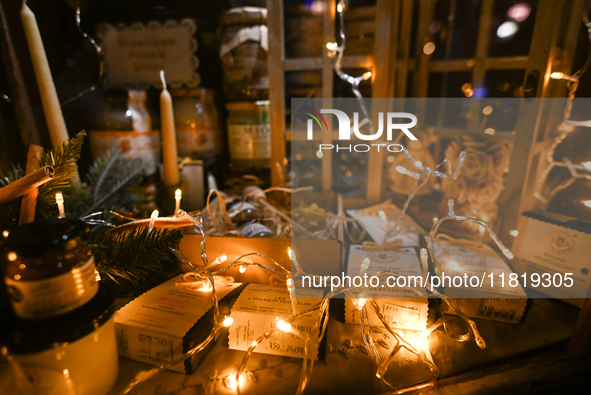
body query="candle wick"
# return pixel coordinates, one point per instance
(162, 78)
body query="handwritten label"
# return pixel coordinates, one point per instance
(134, 54)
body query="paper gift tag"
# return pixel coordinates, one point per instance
(552, 248)
(156, 326)
(491, 298)
(259, 309)
(401, 307)
(377, 229)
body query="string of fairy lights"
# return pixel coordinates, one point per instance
(575, 170)
(205, 277)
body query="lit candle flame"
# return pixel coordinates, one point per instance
(59, 199)
(178, 194)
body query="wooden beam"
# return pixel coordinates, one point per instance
(328, 33)
(276, 57)
(357, 61)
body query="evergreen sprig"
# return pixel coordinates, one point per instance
(107, 179)
(135, 255)
(63, 159)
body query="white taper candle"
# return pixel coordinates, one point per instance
(169, 149)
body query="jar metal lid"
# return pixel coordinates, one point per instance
(244, 15)
(40, 237)
(25, 337)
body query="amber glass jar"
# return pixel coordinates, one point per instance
(244, 45)
(249, 134)
(50, 268)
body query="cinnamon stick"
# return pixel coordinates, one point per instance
(24, 185)
(29, 202)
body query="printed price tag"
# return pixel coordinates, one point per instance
(258, 311)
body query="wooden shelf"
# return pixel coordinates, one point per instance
(299, 64)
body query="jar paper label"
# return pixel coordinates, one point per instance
(53, 296)
(201, 141)
(249, 141)
(133, 145)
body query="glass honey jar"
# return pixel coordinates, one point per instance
(50, 268)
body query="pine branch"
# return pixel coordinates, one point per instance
(108, 178)
(63, 160)
(135, 256)
(99, 172)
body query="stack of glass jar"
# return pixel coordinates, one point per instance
(246, 86)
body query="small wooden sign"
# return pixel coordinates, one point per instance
(134, 54)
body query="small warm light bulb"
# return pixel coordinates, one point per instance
(423, 342)
(435, 219)
(282, 325)
(12, 256)
(206, 286)
(231, 383)
(340, 7)
(514, 233)
(178, 194)
(587, 165)
(507, 253)
(361, 303)
(228, 321)
(383, 217)
(365, 263)
(319, 154)
(367, 75)
(429, 48)
(556, 75)
(587, 203)
(5, 233)
(487, 110)
(291, 254)
(153, 219)
(331, 46)
(242, 268)
(59, 199)
(453, 265)
(220, 259)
